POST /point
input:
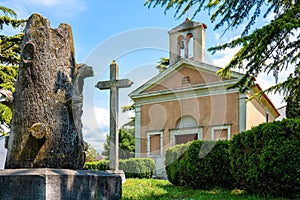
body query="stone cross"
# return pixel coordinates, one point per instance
(114, 84)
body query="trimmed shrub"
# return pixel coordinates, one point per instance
(208, 165)
(200, 164)
(133, 167)
(101, 165)
(266, 159)
(176, 164)
(138, 167)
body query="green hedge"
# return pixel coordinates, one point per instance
(176, 164)
(266, 159)
(208, 165)
(201, 165)
(133, 167)
(101, 165)
(138, 167)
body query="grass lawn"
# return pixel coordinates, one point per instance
(162, 189)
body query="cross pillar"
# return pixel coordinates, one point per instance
(114, 84)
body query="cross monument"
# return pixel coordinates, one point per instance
(114, 84)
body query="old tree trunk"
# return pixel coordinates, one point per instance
(46, 125)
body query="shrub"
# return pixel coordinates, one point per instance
(138, 167)
(176, 164)
(201, 165)
(101, 165)
(208, 165)
(266, 159)
(133, 167)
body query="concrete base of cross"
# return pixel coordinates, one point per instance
(118, 172)
(53, 184)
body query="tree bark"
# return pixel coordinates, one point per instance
(47, 108)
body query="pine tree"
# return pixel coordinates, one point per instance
(293, 102)
(270, 48)
(9, 60)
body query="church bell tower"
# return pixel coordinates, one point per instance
(187, 41)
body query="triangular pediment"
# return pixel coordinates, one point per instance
(184, 74)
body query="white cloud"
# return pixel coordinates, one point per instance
(222, 58)
(217, 36)
(95, 126)
(270, 17)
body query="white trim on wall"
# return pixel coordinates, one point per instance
(151, 133)
(242, 112)
(220, 127)
(173, 95)
(137, 132)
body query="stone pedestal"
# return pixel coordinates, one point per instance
(119, 173)
(55, 184)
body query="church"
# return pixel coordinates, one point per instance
(188, 101)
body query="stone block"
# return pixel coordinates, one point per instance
(55, 184)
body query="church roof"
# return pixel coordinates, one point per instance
(144, 91)
(187, 24)
(174, 68)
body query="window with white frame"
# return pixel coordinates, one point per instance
(184, 135)
(154, 143)
(186, 130)
(222, 132)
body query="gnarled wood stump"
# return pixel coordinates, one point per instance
(47, 108)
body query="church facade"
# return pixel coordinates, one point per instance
(188, 101)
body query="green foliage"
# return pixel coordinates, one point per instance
(163, 64)
(270, 48)
(91, 154)
(293, 106)
(10, 49)
(8, 76)
(266, 159)
(130, 107)
(138, 167)
(9, 60)
(273, 41)
(293, 101)
(201, 165)
(7, 20)
(101, 165)
(10, 45)
(126, 144)
(5, 115)
(176, 164)
(133, 167)
(208, 165)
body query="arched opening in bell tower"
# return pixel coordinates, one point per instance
(181, 47)
(190, 46)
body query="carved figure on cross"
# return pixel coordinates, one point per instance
(114, 84)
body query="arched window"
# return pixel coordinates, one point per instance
(186, 122)
(181, 46)
(186, 130)
(190, 45)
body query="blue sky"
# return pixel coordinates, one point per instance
(127, 31)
